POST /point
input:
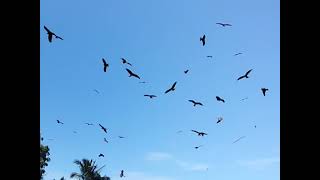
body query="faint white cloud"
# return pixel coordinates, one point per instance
(192, 166)
(142, 176)
(158, 156)
(260, 164)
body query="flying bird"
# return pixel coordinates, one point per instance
(96, 91)
(219, 99)
(121, 174)
(172, 88)
(143, 82)
(120, 137)
(103, 128)
(209, 56)
(197, 147)
(264, 90)
(132, 74)
(244, 98)
(199, 133)
(105, 140)
(51, 34)
(59, 122)
(195, 103)
(105, 65)
(237, 54)
(89, 124)
(125, 62)
(203, 39)
(224, 24)
(219, 119)
(246, 75)
(101, 155)
(186, 71)
(150, 96)
(238, 139)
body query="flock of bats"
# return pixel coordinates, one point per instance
(172, 88)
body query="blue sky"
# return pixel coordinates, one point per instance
(161, 40)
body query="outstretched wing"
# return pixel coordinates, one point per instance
(241, 77)
(192, 101)
(135, 75)
(174, 85)
(195, 131)
(168, 91)
(248, 72)
(58, 37)
(130, 72)
(48, 31)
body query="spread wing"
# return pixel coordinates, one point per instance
(241, 77)
(192, 101)
(195, 131)
(58, 37)
(174, 85)
(48, 31)
(130, 72)
(248, 72)
(168, 91)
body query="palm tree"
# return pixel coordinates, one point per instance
(88, 171)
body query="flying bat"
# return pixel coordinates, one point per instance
(197, 147)
(172, 88)
(195, 103)
(246, 75)
(237, 54)
(199, 133)
(132, 74)
(89, 124)
(238, 139)
(219, 99)
(120, 137)
(51, 34)
(103, 128)
(105, 65)
(105, 140)
(186, 71)
(125, 62)
(219, 119)
(121, 174)
(143, 82)
(264, 90)
(244, 98)
(209, 56)
(150, 96)
(101, 155)
(203, 39)
(96, 91)
(224, 24)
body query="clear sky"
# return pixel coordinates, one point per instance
(160, 38)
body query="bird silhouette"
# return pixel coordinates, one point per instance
(105, 140)
(224, 24)
(244, 98)
(59, 122)
(51, 34)
(246, 75)
(220, 99)
(197, 147)
(219, 119)
(142, 82)
(264, 90)
(172, 88)
(195, 103)
(237, 54)
(199, 133)
(103, 128)
(238, 139)
(150, 96)
(121, 174)
(121, 137)
(125, 62)
(105, 65)
(186, 71)
(203, 39)
(209, 56)
(101, 155)
(96, 91)
(132, 74)
(89, 124)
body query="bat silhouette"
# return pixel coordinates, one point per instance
(219, 99)
(121, 174)
(59, 122)
(195, 103)
(51, 34)
(121, 137)
(219, 120)
(199, 133)
(103, 128)
(264, 90)
(172, 88)
(246, 75)
(209, 56)
(186, 71)
(237, 54)
(101, 155)
(203, 39)
(105, 140)
(105, 65)
(132, 74)
(224, 24)
(89, 124)
(238, 139)
(197, 147)
(150, 96)
(125, 62)
(244, 98)
(96, 91)
(142, 82)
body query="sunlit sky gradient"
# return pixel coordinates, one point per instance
(161, 40)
